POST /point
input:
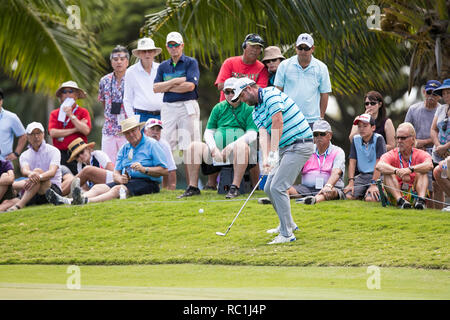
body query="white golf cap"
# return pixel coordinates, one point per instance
(321, 126)
(153, 122)
(34, 125)
(229, 83)
(240, 85)
(146, 44)
(305, 38)
(175, 37)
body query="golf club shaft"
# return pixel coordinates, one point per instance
(251, 193)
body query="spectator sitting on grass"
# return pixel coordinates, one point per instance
(153, 129)
(6, 181)
(405, 169)
(366, 150)
(439, 175)
(40, 164)
(140, 165)
(322, 173)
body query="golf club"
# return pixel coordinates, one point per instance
(256, 186)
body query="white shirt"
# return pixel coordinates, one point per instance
(138, 91)
(101, 157)
(169, 156)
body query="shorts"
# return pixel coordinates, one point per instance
(362, 183)
(408, 194)
(208, 169)
(41, 199)
(9, 194)
(311, 191)
(139, 186)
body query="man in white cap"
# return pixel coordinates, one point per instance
(40, 164)
(178, 79)
(229, 134)
(139, 97)
(246, 65)
(153, 129)
(322, 173)
(308, 73)
(286, 144)
(69, 121)
(139, 167)
(110, 93)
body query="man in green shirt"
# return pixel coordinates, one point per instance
(229, 133)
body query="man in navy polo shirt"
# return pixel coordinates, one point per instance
(178, 78)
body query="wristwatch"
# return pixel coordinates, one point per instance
(73, 116)
(373, 182)
(40, 177)
(16, 154)
(411, 168)
(146, 170)
(329, 185)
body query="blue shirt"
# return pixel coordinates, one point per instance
(366, 155)
(148, 153)
(304, 86)
(271, 101)
(10, 126)
(185, 67)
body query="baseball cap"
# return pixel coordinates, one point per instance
(321, 126)
(240, 85)
(365, 117)
(153, 122)
(229, 83)
(305, 38)
(254, 39)
(34, 125)
(432, 84)
(175, 37)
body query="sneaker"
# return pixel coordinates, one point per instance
(75, 183)
(233, 192)
(403, 204)
(54, 198)
(306, 200)
(210, 188)
(277, 230)
(190, 191)
(446, 209)
(264, 201)
(280, 239)
(420, 204)
(78, 198)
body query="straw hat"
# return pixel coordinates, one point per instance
(73, 85)
(77, 146)
(272, 52)
(131, 123)
(146, 44)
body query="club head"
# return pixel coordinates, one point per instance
(220, 233)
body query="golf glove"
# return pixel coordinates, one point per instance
(273, 159)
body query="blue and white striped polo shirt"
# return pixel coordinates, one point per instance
(271, 101)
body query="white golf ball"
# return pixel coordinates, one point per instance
(200, 211)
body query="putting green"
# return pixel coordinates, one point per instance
(188, 281)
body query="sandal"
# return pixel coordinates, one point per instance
(14, 208)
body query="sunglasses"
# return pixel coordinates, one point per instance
(271, 60)
(227, 92)
(67, 91)
(431, 92)
(176, 45)
(322, 134)
(372, 103)
(300, 48)
(444, 126)
(402, 138)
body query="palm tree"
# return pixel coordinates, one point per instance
(357, 57)
(42, 44)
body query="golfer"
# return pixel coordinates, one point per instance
(286, 143)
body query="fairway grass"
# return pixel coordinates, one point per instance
(192, 282)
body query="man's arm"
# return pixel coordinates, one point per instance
(277, 131)
(166, 86)
(334, 177)
(22, 141)
(323, 104)
(50, 173)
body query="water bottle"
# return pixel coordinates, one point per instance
(122, 193)
(444, 174)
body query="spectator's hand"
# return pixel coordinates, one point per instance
(11, 157)
(404, 173)
(373, 191)
(217, 154)
(442, 151)
(226, 151)
(122, 179)
(326, 191)
(68, 111)
(33, 179)
(136, 166)
(350, 188)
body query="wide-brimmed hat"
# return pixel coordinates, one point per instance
(445, 85)
(130, 123)
(146, 44)
(73, 85)
(272, 52)
(76, 147)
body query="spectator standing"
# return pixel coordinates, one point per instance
(246, 65)
(139, 97)
(110, 94)
(308, 73)
(69, 122)
(376, 108)
(10, 126)
(272, 59)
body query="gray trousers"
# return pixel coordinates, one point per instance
(292, 160)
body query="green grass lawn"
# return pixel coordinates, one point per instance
(158, 229)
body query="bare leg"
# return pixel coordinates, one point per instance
(3, 190)
(112, 193)
(8, 204)
(193, 158)
(65, 185)
(421, 184)
(392, 185)
(93, 174)
(240, 162)
(97, 190)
